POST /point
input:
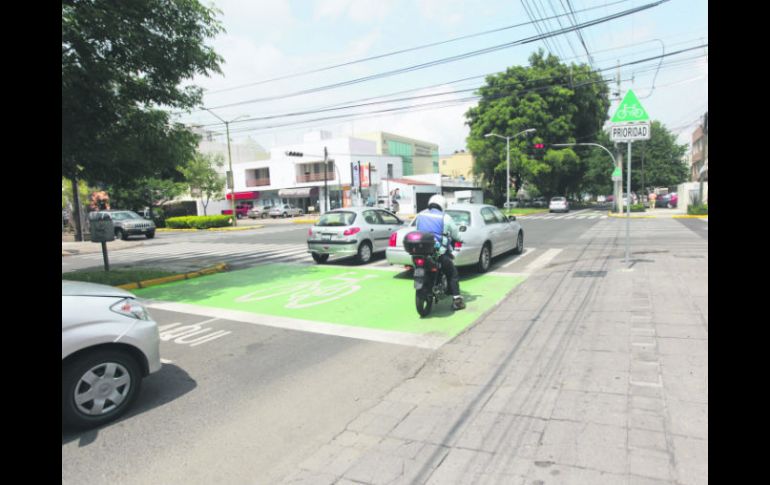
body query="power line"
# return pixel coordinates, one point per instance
(446, 59)
(393, 53)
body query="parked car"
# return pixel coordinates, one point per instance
(538, 202)
(258, 212)
(285, 210)
(669, 200)
(488, 233)
(241, 211)
(129, 223)
(352, 231)
(558, 204)
(109, 343)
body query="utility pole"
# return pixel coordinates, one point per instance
(231, 178)
(326, 194)
(618, 185)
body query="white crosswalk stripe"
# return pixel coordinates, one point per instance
(177, 252)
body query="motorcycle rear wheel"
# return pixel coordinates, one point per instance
(424, 303)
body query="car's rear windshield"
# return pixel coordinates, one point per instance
(337, 219)
(461, 218)
(122, 216)
(558, 199)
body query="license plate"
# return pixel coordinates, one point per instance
(419, 271)
(326, 237)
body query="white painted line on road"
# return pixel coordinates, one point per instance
(543, 260)
(398, 338)
(527, 252)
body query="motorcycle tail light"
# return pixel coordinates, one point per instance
(419, 262)
(392, 240)
(351, 231)
(458, 244)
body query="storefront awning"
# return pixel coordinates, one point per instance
(244, 195)
(299, 193)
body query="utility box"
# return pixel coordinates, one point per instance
(102, 227)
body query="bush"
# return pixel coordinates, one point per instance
(698, 210)
(198, 222)
(637, 208)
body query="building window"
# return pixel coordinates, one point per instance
(404, 151)
(258, 177)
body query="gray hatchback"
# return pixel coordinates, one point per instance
(352, 231)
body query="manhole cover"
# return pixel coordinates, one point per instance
(589, 274)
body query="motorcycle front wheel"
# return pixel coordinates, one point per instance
(424, 303)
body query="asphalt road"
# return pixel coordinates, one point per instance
(244, 403)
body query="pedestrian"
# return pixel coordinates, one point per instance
(394, 200)
(652, 198)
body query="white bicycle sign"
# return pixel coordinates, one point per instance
(309, 293)
(630, 111)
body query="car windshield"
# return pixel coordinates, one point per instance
(461, 218)
(337, 219)
(558, 199)
(123, 216)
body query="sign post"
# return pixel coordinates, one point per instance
(630, 123)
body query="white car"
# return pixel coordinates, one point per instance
(285, 210)
(558, 204)
(488, 233)
(109, 343)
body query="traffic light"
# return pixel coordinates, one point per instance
(537, 150)
(539, 146)
(294, 154)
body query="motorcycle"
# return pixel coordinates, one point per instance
(430, 282)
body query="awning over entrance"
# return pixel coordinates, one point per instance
(299, 193)
(244, 195)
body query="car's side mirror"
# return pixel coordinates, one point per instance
(511, 218)
(463, 228)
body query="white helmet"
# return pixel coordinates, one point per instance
(439, 200)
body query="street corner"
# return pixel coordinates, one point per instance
(326, 299)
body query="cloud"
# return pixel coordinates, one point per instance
(359, 11)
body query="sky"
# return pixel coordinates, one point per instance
(284, 39)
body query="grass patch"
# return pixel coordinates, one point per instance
(116, 277)
(523, 212)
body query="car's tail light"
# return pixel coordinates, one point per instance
(351, 231)
(309, 233)
(392, 240)
(458, 244)
(130, 308)
(419, 262)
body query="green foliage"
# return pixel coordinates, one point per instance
(146, 192)
(563, 103)
(116, 277)
(698, 210)
(661, 157)
(203, 179)
(120, 61)
(638, 208)
(199, 222)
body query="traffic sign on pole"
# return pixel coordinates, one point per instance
(617, 176)
(630, 110)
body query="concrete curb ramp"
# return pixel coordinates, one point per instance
(167, 279)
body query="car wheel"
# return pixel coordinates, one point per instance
(320, 258)
(150, 235)
(519, 243)
(364, 252)
(119, 234)
(98, 387)
(264, 216)
(485, 258)
(284, 215)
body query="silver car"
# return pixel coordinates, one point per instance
(258, 212)
(109, 343)
(352, 231)
(285, 210)
(129, 223)
(488, 233)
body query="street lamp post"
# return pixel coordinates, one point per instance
(508, 162)
(230, 164)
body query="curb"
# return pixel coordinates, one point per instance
(167, 279)
(215, 229)
(610, 214)
(704, 216)
(304, 221)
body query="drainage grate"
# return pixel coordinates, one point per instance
(589, 274)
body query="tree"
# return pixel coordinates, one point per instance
(662, 160)
(121, 61)
(203, 179)
(563, 103)
(146, 192)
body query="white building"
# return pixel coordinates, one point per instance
(353, 174)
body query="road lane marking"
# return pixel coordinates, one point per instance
(527, 252)
(542, 260)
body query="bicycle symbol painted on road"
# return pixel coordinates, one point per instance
(629, 110)
(310, 293)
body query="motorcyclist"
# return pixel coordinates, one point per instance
(436, 221)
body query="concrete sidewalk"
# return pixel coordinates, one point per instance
(591, 372)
